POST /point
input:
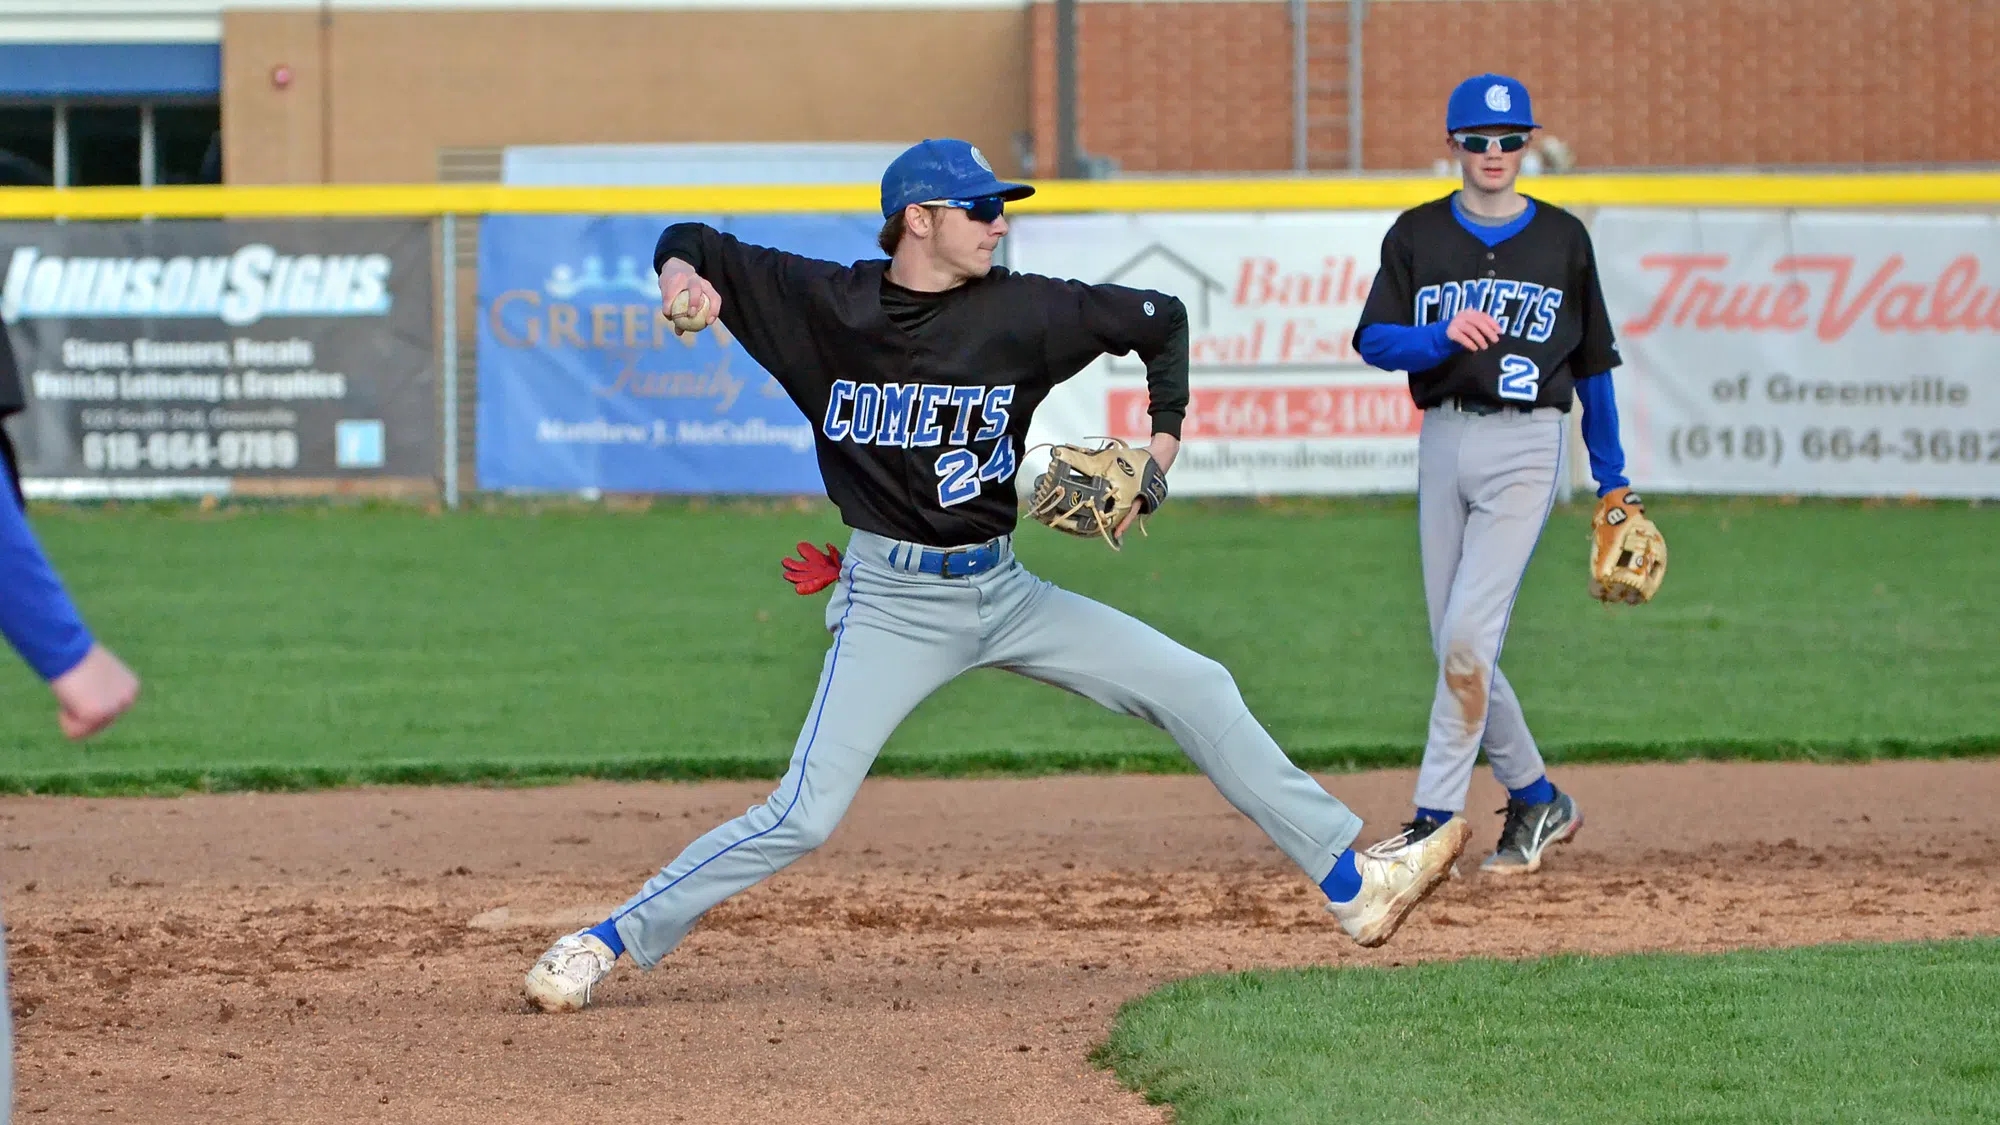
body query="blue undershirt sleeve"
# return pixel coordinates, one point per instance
(36, 615)
(1600, 432)
(1405, 347)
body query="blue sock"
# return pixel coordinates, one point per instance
(1539, 793)
(1439, 815)
(1345, 881)
(608, 934)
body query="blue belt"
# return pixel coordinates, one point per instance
(960, 562)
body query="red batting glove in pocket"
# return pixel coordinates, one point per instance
(812, 571)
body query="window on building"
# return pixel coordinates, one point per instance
(187, 144)
(27, 145)
(109, 144)
(104, 144)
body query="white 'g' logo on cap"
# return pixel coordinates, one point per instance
(979, 158)
(1498, 99)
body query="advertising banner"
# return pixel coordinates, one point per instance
(1281, 403)
(1806, 353)
(584, 386)
(173, 357)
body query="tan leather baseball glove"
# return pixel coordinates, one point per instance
(1628, 555)
(1088, 492)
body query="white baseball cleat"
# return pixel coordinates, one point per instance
(1396, 875)
(562, 979)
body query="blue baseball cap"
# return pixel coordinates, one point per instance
(1489, 99)
(943, 169)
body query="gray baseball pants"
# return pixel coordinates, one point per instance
(900, 634)
(1485, 484)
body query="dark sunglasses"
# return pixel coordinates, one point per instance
(1476, 143)
(985, 209)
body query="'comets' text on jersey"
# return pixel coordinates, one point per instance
(1523, 309)
(929, 415)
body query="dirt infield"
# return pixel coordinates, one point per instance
(950, 957)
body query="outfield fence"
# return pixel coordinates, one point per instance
(1782, 333)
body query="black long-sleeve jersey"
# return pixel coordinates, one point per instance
(920, 402)
(1540, 286)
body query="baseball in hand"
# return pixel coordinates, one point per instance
(683, 318)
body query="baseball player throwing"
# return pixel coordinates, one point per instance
(921, 374)
(1490, 300)
(91, 686)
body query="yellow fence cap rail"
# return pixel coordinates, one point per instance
(1920, 189)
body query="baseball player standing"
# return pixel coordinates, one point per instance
(921, 375)
(1490, 301)
(92, 687)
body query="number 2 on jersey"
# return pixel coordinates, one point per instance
(956, 469)
(1520, 379)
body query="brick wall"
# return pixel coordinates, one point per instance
(1206, 86)
(1164, 86)
(395, 87)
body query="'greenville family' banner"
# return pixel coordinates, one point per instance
(583, 385)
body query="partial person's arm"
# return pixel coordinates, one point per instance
(1404, 347)
(764, 293)
(1388, 335)
(36, 614)
(1597, 351)
(1086, 321)
(92, 686)
(1600, 432)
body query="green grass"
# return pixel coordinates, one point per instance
(1872, 1035)
(321, 645)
